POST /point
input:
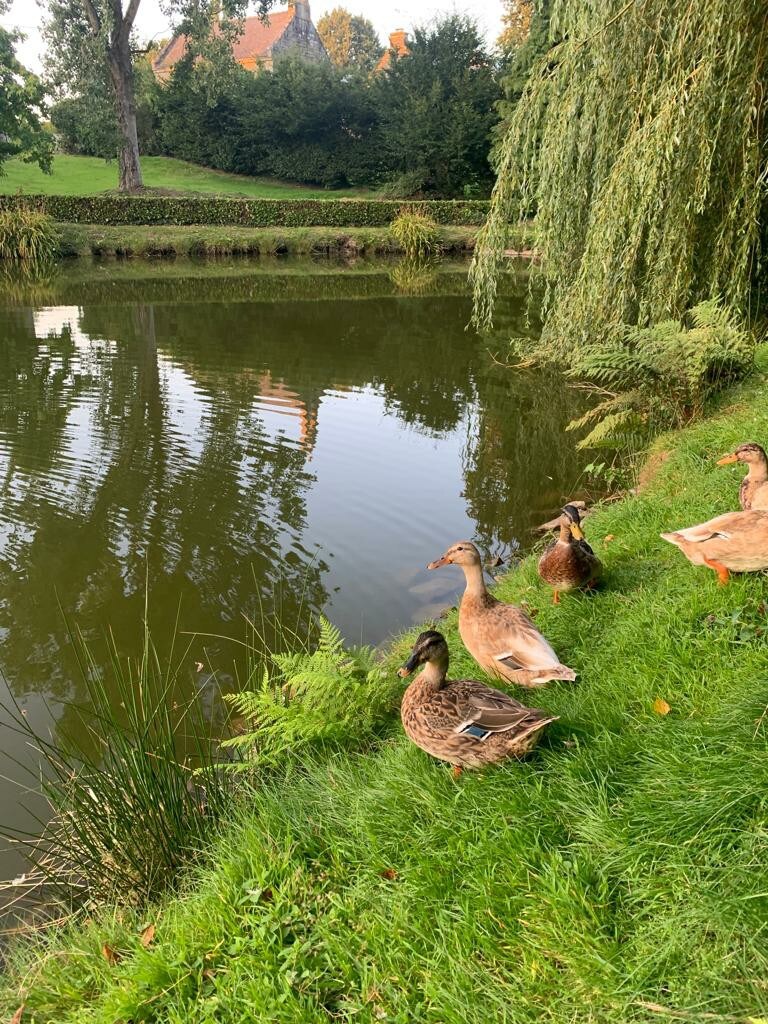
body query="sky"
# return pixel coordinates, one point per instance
(386, 15)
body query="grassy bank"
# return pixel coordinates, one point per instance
(167, 240)
(87, 175)
(619, 876)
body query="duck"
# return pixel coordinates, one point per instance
(500, 637)
(734, 542)
(569, 562)
(753, 493)
(463, 721)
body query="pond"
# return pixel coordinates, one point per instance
(238, 437)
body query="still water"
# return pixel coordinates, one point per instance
(235, 438)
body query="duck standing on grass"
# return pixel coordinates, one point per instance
(500, 637)
(735, 542)
(569, 562)
(463, 721)
(753, 493)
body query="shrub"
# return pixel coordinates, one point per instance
(416, 233)
(27, 234)
(661, 376)
(330, 696)
(132, 788)
(265, 213)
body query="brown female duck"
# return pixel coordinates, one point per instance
(463, 721)
(735, 542)
(569, 562)
(753, 493)
(500, 637)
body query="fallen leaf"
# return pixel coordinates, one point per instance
(661, 707)
(110, 955)
(147, 935)
(389, 873)
(199, 666)
(16, 1018)
(608, 538)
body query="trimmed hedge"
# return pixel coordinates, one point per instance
(257, 213)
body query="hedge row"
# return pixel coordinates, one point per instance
(258, 213)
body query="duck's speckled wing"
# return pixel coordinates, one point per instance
(464, 703)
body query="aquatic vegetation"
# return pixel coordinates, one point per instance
(27, 234)
(416, 232)
(131, 785)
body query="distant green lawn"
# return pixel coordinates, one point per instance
(85, 175)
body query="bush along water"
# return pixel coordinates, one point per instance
(27, 234)
(131, 786)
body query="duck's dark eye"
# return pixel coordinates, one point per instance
(459, 548)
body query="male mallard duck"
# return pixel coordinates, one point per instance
(463, 721)
(735, 542)
(500, 637)
(753, 493)
(569, 562)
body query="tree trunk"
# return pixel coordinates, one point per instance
(121, 69)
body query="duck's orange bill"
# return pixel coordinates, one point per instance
(438, 562)
(727, 460)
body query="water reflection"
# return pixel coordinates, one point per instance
(220, 436)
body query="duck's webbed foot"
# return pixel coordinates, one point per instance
(723, 573)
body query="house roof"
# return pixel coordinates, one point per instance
(398, 43)
(257, 39)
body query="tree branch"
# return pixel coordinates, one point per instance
(130, 15)
(93, 17)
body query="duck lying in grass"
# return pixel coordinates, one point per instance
(500, 637)
(463, 721)
(735, 542)
(569, 562)
(753, 493)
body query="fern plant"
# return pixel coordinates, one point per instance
(331, 696)
(658, 377)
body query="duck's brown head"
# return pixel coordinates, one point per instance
(572, 518)
(463, 552)
(750, 452)
(430, 646)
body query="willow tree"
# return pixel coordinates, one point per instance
(639, 147)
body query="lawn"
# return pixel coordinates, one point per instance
(618, 876)
(85, 175)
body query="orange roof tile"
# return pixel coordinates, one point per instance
(256, 40)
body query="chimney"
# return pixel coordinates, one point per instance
(301, 10)
(398, 41)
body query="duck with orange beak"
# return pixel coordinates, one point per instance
(569, 563)
(753, 493)
(500, 637)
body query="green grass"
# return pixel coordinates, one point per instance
(618, 876)
(169, 240)
(86, 175)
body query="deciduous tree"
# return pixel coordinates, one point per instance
(21, 107)
(88, 36)
(350, 39)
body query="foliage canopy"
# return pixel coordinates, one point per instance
(350, 39)
(640, 144)
(21, 106)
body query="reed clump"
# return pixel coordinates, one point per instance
(416, 233)
(27, 234)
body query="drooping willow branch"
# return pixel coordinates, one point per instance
(640, 149)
